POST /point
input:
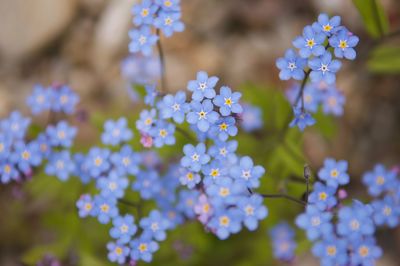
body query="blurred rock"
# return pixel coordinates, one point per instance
(111, 34)
(28, 26)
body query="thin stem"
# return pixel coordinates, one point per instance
(163, 80)
(129, 203)
(301, 91)
(185, 134)
(284, 196)
(377, 18)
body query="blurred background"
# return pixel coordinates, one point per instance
(82, 43)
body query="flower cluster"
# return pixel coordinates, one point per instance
(56, 98)
(383, 185)
(283, 244)
(21, 154)
(317, 48)
(151, 16)
(347, 240)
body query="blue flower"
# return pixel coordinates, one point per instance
(253, 210)
(8, 172)
(85, 206)
(224, 191)
(26, 156)
(326, 25)
(195, 157)
(228, 102)
(173, 216)
(44, 145)
(147, 183)
(123, 228)
(113, 185)
(333, 101)
(15, 125)
(189, 178)
(315, 223)
(224, 151)
(5, 146)
(142, 40)
(106, 208)
(379, 180)
(344, 43)
(311, 43)
(334, 173)
(247, 173)
(151, 94)
(143, 13)
(226, 222)
(312, 97)
(155, 225)
(355, 221)
(174, 107)
(291, 66)
(64, 100)
(322, 196)
(169, 22)
(61, 134)
(202, 115)
(169, 5)
(40, 99)
(251, 118)
(163, 133)
(116, 132)
(365, 252)
(81, 169)
(301, 119)
(61, 165)
(143, 248)
(126, 161)
(203, 86)
(386, 211)
(213, 171)
(97, 161)
(224, 128)
(324, 68)
(283, 244)
(147, 118)
(117, 252)
(187, 200)
(331, 251)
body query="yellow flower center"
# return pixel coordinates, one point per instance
(190, 176)
(387, 211)
(327, 27)
(142, 247)
(98, 161)
(168, 21)
(363, 251)
(145, 12)
(224, 221)
(142, 40)
(223, 192)
(202, 114)
(118, 250)
(322, 196)
(331, 250)
(7, 169)
(167, 3)
(380, 180)
(148, 121)
(26, 155)
(126, 161)
(214, 172)
(223, 127)
(228, 101)
(88, 206)
(342, 44)
(104, 208)
(310, 43)
(64, 99)
(61, 134)
(163, 133)
(355, 225)
(334, 173)
(249, 210)
(206, 208)
(43, 147)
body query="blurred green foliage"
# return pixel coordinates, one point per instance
(375, 20)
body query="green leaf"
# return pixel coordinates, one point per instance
(374, 17)
(385, 59)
